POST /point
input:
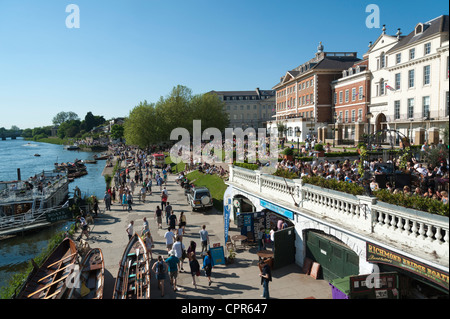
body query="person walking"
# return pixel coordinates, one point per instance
(172, 220)
(170, 237)
(204, 237)
(149, 244)
(145, 227)
(160, 269)
(143, 193)
(178, 249)
(182, 223)
(261, 244)
(168, 212)
(107, 201)
(124, 200)
(95, 204)
(130, 230)
(164, 197)
(191, 248)
(266, 277)
(158, 217)
(207, 266)
(195, 268)
(129, 201)
(173, 261)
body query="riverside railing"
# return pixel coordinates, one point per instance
(362, 214)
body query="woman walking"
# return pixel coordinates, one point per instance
(207, 266)
(194, 266)
(182, 221)
(149, 244)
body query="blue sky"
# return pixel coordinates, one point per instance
(128, 51)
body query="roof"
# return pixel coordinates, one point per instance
(243, 93)
(337, 61)
(432, 27)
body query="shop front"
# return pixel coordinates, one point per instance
(417, 280)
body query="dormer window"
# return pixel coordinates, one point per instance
(350, 71)
(344, 73)
(419, 28)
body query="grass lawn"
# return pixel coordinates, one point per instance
(176, 168)
(214, 183)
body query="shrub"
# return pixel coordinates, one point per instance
(345, 187)
(318, 147)
(288, 151)
(429, 205)
(253, 167)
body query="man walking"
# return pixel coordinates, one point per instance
(266, 277)
(204, 238)
(130, 230)
(172, 262)
(168, 212)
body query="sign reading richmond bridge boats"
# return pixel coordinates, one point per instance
(376, 254)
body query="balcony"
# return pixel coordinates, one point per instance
(422, 234)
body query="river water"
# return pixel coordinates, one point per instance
(17, 251)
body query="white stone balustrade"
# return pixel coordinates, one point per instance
(361, 214)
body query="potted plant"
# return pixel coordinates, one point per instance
(231, 256)
(320, 150)
(288, 154)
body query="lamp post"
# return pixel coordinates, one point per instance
(369, 140)
(298, 132)
(333, 128)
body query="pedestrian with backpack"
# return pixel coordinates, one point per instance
(160, 269)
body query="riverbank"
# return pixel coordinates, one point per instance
(239, 280)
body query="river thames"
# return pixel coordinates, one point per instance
(14, 154)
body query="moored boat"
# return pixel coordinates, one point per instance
(101, 157)
(133, 278)
(49, 280)
(92, 276)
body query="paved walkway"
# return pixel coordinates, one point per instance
(236, 281)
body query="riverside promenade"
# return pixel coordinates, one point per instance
(239, 280)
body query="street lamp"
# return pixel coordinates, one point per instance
(298, 132)
(368, 117)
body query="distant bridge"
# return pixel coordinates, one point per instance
(11, 135)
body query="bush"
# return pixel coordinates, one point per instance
(288, 151)
(253, 167)
(318, 147)
(345, 187)
(341, 154)
(424, 204)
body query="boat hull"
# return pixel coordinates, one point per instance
(49, 280)
(133, 278)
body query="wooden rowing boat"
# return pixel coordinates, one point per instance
(92, 277)
(49, 280)
(133, 278)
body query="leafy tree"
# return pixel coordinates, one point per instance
(117, 131)
(27, 133)
(141, 126)
(62, 117)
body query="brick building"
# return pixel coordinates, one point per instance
(351, 97)
(304, 96)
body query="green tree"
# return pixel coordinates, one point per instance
(141, 127)
(117, 131)
(62, 117)
(210, 110)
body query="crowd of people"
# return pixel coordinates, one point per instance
(425, 179)
(136, 180)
